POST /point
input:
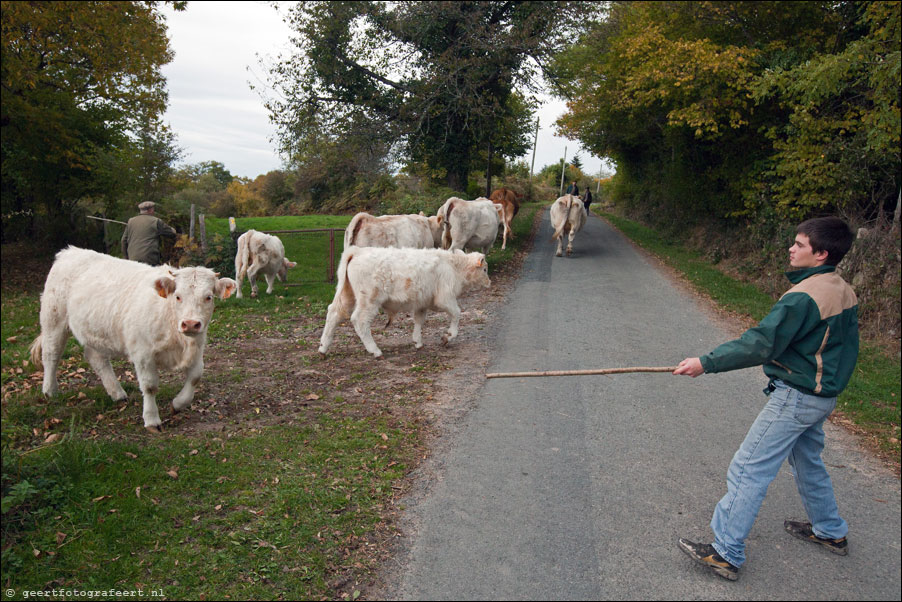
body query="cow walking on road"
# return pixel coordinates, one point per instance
(567, 218)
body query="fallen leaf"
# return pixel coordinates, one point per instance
(312, 397)
(60, 537)
(138, 492)
(11, 340)
(172, 474)
(131, 455)
(53, 437)
(102, 497)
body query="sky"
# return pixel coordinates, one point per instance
(217, 117)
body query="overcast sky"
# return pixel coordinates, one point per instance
(217, 117)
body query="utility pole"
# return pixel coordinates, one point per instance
(535, 143)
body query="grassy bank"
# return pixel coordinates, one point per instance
(870, 404)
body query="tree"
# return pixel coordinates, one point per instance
(732, 109)
(77, 79)
(434, 81)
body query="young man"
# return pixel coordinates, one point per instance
(808, 345)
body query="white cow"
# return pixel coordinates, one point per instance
(568, 215)
(157, 317)
(413, 280)
(471, 224)
(400, 231)
(260, 253)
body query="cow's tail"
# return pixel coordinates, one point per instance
(446, 225)
(243, 256)
(35, 351)
(353, 229)
(344, 294)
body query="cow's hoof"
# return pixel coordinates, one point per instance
(253, 295)
(559, 254)
(445, 340)
(156, 430)
(175, 410)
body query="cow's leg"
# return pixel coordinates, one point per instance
(252, 278)
(270, 281)
(570, 242)
(192, 378)
(149, 381)
(419, 318)
(53, 343)
(103, 368)
(239, 276)
(560, 246)
(333, 317)
(452, 309)
(362, 319)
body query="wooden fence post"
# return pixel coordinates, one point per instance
(191, 228)
(203, 234)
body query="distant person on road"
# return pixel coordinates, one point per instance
(808, 345)
(141, 239)
(573, 189)
(587, 200)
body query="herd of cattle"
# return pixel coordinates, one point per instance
(157, 317)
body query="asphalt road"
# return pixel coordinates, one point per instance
(577, 488)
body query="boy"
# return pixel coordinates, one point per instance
(808, 345)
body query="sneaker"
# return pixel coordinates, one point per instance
(706, 555)
(803, 531)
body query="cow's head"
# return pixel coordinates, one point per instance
(435, 227)
(283, 269)
(477, 271)
(190, 292)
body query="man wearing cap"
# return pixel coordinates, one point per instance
(141, 239)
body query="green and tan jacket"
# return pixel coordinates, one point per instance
(809, 339)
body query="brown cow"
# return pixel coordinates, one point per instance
(510, 200)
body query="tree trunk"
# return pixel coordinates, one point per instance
(488, 173)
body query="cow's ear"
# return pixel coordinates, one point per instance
(439, 219)
(164, 286)
(225, 287)
(289, 264)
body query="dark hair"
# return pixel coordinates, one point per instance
(829, 234)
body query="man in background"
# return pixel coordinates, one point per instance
(141, 239)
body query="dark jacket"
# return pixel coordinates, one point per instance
(809, 339)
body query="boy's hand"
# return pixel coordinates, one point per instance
(691, 366)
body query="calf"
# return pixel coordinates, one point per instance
(260, 253)
(567, 216)
(470, 224)
(414, 280)
(510, 202)
(157, 317)
(399, 231)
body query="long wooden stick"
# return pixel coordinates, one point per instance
(103, 219)
(581, 372)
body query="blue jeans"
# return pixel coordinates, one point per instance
(791, 426)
